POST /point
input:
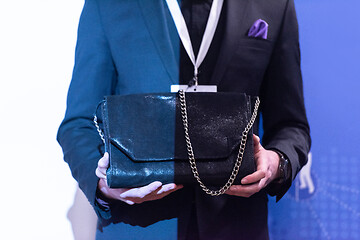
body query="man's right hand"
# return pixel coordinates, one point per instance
(153, 191)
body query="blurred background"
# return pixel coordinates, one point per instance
(39, 197)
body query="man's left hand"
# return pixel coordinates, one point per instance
(267, 165)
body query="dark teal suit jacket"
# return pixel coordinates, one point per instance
(131, 46)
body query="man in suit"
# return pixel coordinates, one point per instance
(127, 47)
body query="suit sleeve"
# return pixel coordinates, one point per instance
(93, 77)
(285, 124)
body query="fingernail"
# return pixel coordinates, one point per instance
(244, 181)
(129, 202)
(171, 187)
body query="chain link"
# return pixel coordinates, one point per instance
(101, 134)
(191, 156)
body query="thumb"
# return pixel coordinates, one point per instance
(257, 145)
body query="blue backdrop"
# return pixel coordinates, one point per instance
(324, 201)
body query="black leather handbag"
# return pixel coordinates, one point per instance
(184, 138)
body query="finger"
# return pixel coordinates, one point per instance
(257, 144)
(254, 177)
(102, 170)
(102, 183)
(263, 182)
(103, 164)
(105, 189)
(100, 174)
(142, 191)
(104, 161)
(238, 190)
(256, 139)
(128, 202)
(164, 194)
(168, 188)
(244, 191)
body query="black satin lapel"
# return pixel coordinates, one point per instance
(155, 18)
(235, 13)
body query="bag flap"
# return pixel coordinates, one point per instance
(149, 127)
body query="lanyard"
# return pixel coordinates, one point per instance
(184, 33)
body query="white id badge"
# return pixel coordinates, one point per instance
(198, 88)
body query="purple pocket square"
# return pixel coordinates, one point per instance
(259, 29)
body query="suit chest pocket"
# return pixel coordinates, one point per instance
(252, 56)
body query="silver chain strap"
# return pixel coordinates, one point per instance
(101, 134)
(240, 155)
